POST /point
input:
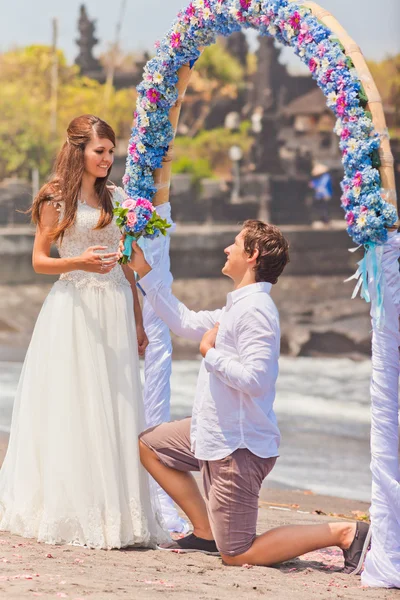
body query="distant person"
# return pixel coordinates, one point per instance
(232, 437)
(321, 183)
(72, 474)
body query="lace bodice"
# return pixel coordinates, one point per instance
(82, 235)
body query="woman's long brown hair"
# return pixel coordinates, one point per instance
(66, 181)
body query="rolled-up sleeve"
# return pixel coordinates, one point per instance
(257, 341)
(180, 319)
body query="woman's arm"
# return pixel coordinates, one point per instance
(143, 341)
(42, 261)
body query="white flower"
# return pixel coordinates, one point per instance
(157, 77)
(332, 97)
(289, 31)
(356, 191)
(325, 63)
(256, 6)
(233, 11)
(302, 52)
(362, 220)
(352, 145)
(141, 147)
(272, 29)
(198, 3)
(206, 13)
(194, 20)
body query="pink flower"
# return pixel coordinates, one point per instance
(175, 39)
(245, 4)
(341, 104)
(265, 20)
(295, 20)
(132, 149)
(126, 179)
(357, 179)
(128, 203)
(312, 65)
(149, 77)
(131, 219)
(145, 204)
(321, 50)
(364, 209)
(153, 95)
(190, 11)
(305, 35)
(345, 134)
(240, 17)
(350, 217)
(157, 44)
(345, 201)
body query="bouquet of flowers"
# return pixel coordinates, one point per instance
(138, 218)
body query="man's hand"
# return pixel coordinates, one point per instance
(142, 339)
(138, 262)
(208, 340)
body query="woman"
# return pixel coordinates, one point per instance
(72, 472)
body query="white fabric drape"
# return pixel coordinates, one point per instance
(382, 566)
(157, 364)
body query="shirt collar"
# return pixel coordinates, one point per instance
(247, 290)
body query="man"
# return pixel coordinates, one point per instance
(321, 183)
(232, 437)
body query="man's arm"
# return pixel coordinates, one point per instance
(182, 321)
(258, 352)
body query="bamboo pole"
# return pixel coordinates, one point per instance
(162, 176)
(374, 99)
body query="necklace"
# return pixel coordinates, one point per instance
(83, 201)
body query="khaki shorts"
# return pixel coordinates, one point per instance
(231, 485)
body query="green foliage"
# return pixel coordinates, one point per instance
(198, 169)
(26, 139)
(212, 147)
(217, 64)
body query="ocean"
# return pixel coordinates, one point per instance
(323, 410)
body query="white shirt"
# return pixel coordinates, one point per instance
(233, 407)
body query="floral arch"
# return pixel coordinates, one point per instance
(368, 199)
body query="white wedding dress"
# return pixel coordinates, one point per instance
(72, 473)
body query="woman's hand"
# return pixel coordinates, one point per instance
(142, 339)
(96, 262)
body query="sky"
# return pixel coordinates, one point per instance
(373, 24)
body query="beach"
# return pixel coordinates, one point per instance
(32, 570)
(322, 475)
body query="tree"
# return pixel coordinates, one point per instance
(26, 141)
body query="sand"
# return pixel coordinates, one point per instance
(29, 569)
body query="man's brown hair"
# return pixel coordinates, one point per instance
(273, 249)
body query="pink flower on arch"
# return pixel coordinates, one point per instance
(190, 10)
(345, 201)
(295, 20)
(345, 134)
(341, 104)
(321, 50)
(126, 179)
(176, 39)
(312, 65)
(245, 4)
(350, 218)
(153, 95)
(364, 209)
(357, 179)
